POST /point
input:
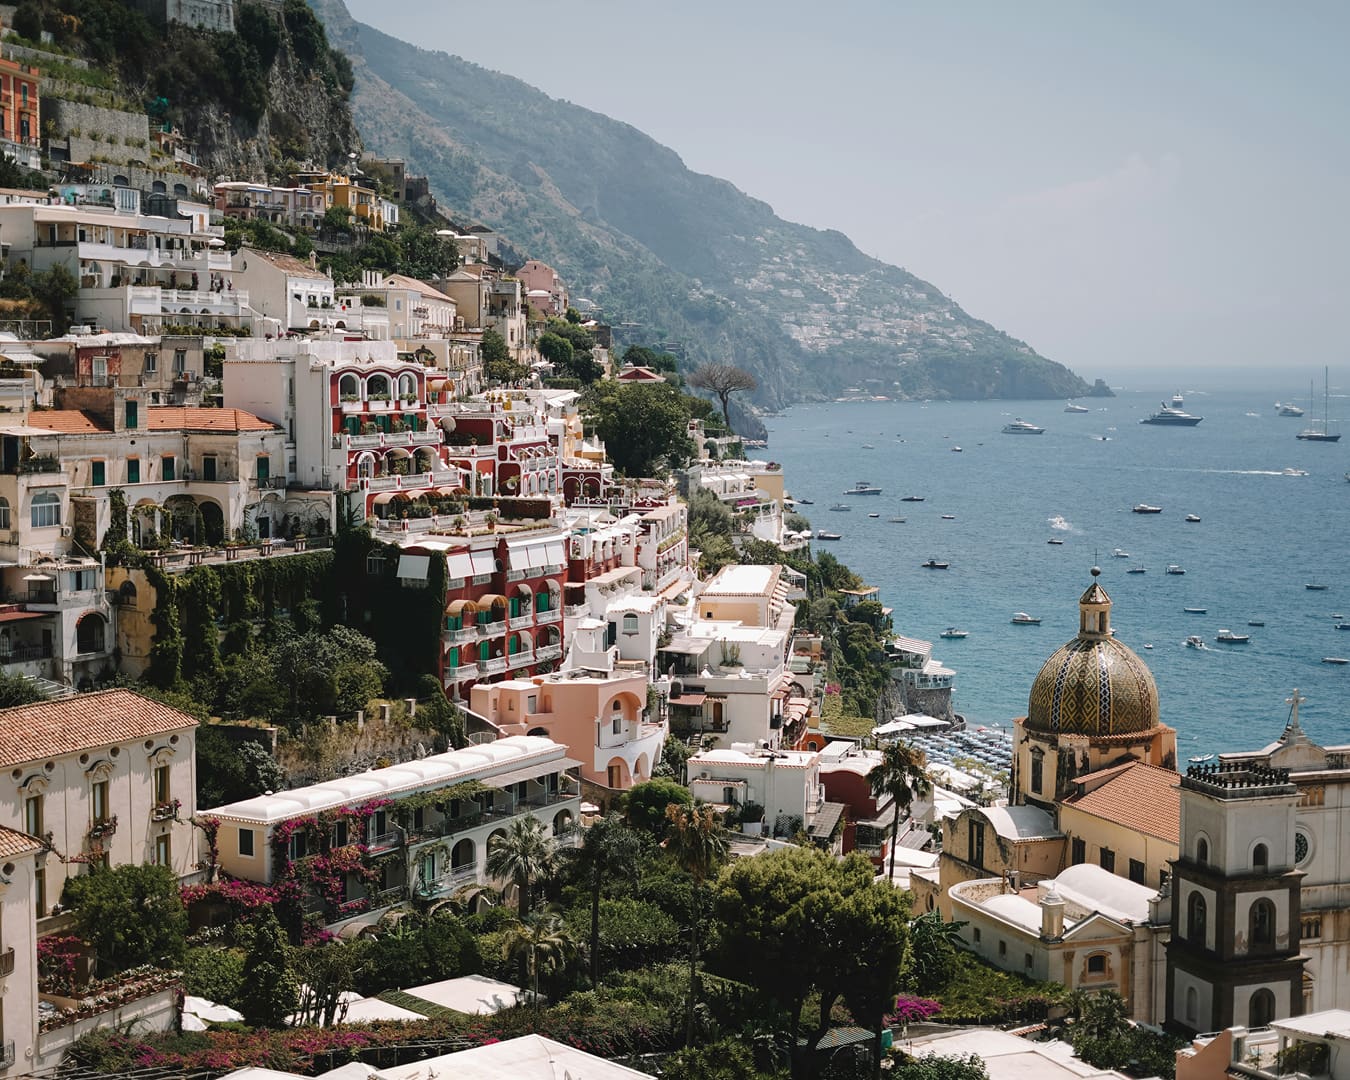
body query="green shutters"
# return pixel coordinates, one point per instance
(209, 467)
(167, 467)
(541, 601)
(454, 657)
(264, 467)
(515, 606)
(133, 470)
(133, 414)
(98, 472)
(484, 650)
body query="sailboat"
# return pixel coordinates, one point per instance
(1320, 431)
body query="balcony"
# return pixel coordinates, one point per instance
(450, 882)
(519, 622)
(572, 611)
(25, 654)
(493, 666)
(460, 636)
(524, 658)
(543, 618)
(547, 652)
(268, 483)
(386, 841)
(7, 962)
(7, 1053)
(463, 672)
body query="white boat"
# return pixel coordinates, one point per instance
(1022, 427)
(948, 517)
(1295, 472)
(1175, 569)
(952, 633)
(821, 534)
(1137, 570)
(1119, 553)
(1200, 759)
(1193, 518)
(1145, 508)
(874, 515)
(862, 487)
(1196, 611)
(1314, 587)
(1021, 618)
(842, 507)
(1287, 408)
(1195, 641)
(1335, 660)
(1230, 638)
(1054, 540)
(1069, 406)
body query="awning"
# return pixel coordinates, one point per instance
(460, 606)
(413, 567)
(486, 602)
(38, 577)
(20, 616)
(437, 384)
(484, 562)
(557, 553)
(689, 699)
(383, 497)
(459, 565)
(530, 772)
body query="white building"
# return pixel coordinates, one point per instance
(786, 783)
(286, 292)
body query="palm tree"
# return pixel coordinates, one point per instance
(609, 848)
(524, 855)
(540, 945)
(900, 774)
(698, 843)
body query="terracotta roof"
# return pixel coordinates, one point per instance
(68, 422)
(402, 281)
(172, 418)
(1140, 797)
(13, 842)
(287, 263)
(51, 728)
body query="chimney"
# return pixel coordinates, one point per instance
(384, 712)
(411, 703)
(1052, 914)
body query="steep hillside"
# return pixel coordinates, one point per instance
(687, 256)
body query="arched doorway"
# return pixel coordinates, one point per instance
(1261, 1011)
(91, 633)
(213, 522)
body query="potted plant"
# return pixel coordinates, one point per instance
(752, 819)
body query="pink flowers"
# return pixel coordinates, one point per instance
(911, 1010)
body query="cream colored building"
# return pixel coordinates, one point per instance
(19, 855)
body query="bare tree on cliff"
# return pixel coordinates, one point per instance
(723, 380)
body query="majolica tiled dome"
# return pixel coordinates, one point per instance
(1094, 685)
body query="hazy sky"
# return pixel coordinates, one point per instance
(1130, 184)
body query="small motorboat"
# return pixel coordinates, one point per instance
(1174, 569)
(1021, 618)
(1230, 638)
(805, 502)
(1147, 645)
(1192, 518)
(1335, 660)
(1315, 588)
(821, 534)
(933, 564)
(1195, 641)
(841, 507)
(1343, 626)
(1071, 408)
(1119, 553)
(952, 633)
(897, 521)
(1022, 427)
(1200, 759)
(868, 446)
(912, 498)
(862, 487)
(1196, 611)
(1256, 622)
(1144, 508)
(956, 449)
(1137, 570)
(874, 515)
(1054, 540)
(1295, 472)
(948, 517)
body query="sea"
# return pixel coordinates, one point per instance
(990, 509)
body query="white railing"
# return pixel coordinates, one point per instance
(463, 634)
(522, 659)
(464, 671)
(547, 652)
(553, 614)
(491, 667)
(517, 622)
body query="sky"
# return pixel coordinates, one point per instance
(1124, 186)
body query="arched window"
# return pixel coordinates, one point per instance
(348, 387)
(1096, 964)
(89, 634)
(1260, 857)
(1202, 851)
(1195, 918)
(1261, 1011)
(1037, 770)
(45, 510)
(630, 624)
(1192, 1006)
(4, 512)
(1261, 926)
(407, 386)
(377, 387)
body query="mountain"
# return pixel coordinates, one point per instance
(688, 258)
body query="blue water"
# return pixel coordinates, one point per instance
(1261, 537)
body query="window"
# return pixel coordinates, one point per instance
(298, 847)
(1096, 964)
(977, 935)
(179, 361)
(616, 780)
(532, 704)
(630, 624)
(133, 470)
(166, 467)
(32, 815)
(1136, 871)
(246, 843)
(1202, 851)
(1037, 770)
(162, 790)
(618, 723)
(40, 890)
(1260, 857)
(46, 510)
(98, 801)
(132, 413)
(264, 467)
(163, 854)
(1002, 950)
(4, 512)
(1311, 927)
(98, 472)
(1026, 961)
(151, 363)
(1195, 918)
(1261, 928)
(1079, 851)
(209, 467)
(1108, 860)
(379, 824)
(1262, 1009)
(975, 844)
(338, 837)
(1192, 1005)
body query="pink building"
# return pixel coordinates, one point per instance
(539, 279)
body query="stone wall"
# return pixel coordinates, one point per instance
(329, 749)
(124, 127)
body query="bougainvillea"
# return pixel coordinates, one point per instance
(58, 956)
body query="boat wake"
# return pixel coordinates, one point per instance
(1060, 523)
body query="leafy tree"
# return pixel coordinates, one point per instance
(798, 923)
(609, 848)
(641, 356)
(130, 914)
(645, 426)
(324, 972)
(645, 804)
(726, 1059)
(722, 380)
(331, 674)
(16, 690)
(931, 953)
(423, 254)
(267, 972)
(900, 774)
(498, 365)
(1103, 1036)
(557, 351)
(55, 289)
(699, 844)
(338, 219)
(541, 946)
(940, 1067)
(27, 20)
(525, 855)
(215, 974)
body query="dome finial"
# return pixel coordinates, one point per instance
(1096, 571)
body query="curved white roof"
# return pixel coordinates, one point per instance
(479, 762)
(1016, 909)
(1095, 889)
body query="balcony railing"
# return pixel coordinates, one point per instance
(23, 654)
(547, 652)
(553, 615)
(386, 841)
(7, 962)
(491, 667)
(462, 635)
(519, 622)
(448, 883)
(7, 1054)
(524, 658)
(464, 671)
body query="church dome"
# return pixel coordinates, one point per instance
(1094, 685)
